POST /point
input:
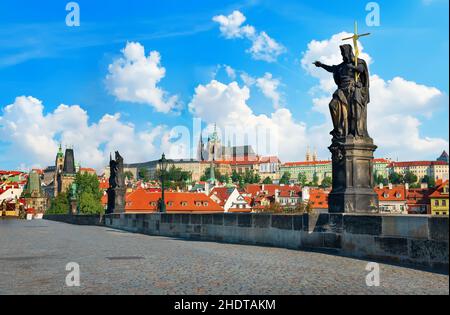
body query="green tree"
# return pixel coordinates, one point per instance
(221, 178)
(302, 179)
(267, 181)
(88, 183)
(59, 204)
(176, 174)
(226, 178)
(257, 178)
(143, 174)
(315, 181)
(396, 178)
(430, 181)
(241, 183)
(89, 194)
(236, 177)
(285, 178)
(379, 179)
(327, 182)
(129, 175)
(249, 177)
(410, 177)
(88, 204)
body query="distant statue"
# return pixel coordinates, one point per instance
(73, 191)
(116, 190)
(116, 178)
(349, 104)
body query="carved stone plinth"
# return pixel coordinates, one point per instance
(73, 207)
(116, 200)
(353, 183)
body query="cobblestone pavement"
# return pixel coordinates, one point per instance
(34, 254)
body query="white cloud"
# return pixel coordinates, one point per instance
(33, 136)
(395, 108)
(269, 87)
(231, 25)
(267, 84)
(247, 79)
(230, 72)
(263, 46)
(226, 105)
(134, 77)
(328, 52)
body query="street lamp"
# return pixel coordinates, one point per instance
(162, 169)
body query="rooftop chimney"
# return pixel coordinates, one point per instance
(390, 186)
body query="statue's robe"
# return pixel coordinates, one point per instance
(359, 101)
(349, 104)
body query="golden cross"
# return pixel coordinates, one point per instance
(355, 39)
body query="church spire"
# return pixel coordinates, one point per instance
(200, 148)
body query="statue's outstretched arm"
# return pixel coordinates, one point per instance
(328, 68)
(324, 66)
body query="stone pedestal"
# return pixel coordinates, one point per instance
(73, 207)
(116, 200)
(353, 182)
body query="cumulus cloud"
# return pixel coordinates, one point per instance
(263, 46)
(33, 136)
(134, 77)
(396, 107)
(226, 105)
(269, 87)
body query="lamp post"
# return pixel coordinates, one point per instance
(162, 168)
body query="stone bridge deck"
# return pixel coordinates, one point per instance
(34, 254)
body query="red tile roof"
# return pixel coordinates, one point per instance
(290, 191)
(10, 173)
(381, 161)
(142, 200)
(417, 163)
(284, 190)
(418, 196)
(269, 159)
(397, 193)
(222, 193)
(318, 198)
(87, 170)
(439, 191)
(104, 184)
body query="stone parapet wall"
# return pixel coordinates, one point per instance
(76, 219)
(412, 240)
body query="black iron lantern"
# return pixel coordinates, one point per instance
(163, 163)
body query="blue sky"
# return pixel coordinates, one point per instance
(41, 57)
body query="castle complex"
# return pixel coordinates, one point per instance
(214, 150)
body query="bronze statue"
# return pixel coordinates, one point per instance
(349, 104)
(352, 149)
